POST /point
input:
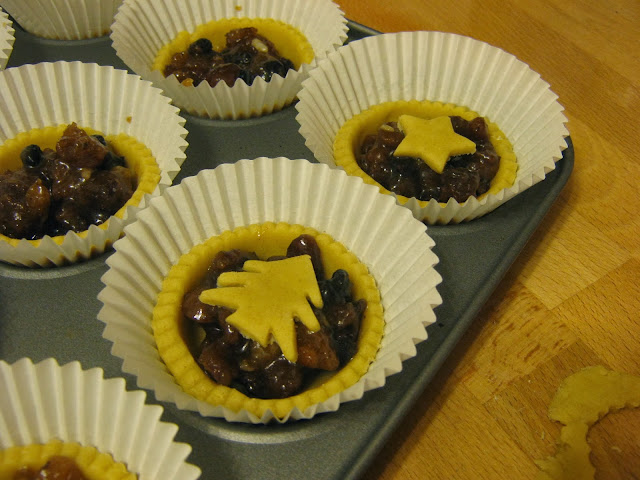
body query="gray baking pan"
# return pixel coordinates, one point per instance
(52, 312)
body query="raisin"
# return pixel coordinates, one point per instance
(346, 345)
(377, 164)
(69, 217)
(403, 179)
(240, 58)
(307, 245)
(337, 289)
(246, 76)
(240, 36)
(478, 130)
(230, 335)
(271, 67)
(195, 310)
(390, 137)
(105, 191)
(111, 160)
(346, 315)
(202, 46)
(38, 199)
(280, 379)
(19, 192)
(429, 183)
(217, 365)
(227, 73)
(367, 144)
(315, 349)
(100, 139)
(31, 156)
(77, 149)
(256, 357)
(459, 184)
(227, 261)
(58, 467)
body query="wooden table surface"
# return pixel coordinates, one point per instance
(572, 298)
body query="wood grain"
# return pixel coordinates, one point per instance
(572, 298)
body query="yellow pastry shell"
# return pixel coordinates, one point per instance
(174, 338)
(288, 40)
(138, 158)
(352, 133)
(93, 464)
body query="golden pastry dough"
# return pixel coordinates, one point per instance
(432, 140)
(267, 297)
(582, 400)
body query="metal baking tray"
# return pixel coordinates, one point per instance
(52, 312)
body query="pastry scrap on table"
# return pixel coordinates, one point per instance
(583, 399)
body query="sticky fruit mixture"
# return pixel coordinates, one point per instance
(263, 372)
(247, 55)
(79, 183)
(463, 176)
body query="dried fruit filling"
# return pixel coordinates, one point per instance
(247, 55)
(263, 372)
(57, 468)
(79, 183)
(463, 176)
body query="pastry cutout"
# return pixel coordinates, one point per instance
(267, 297)
(431, 140)
(582, 400)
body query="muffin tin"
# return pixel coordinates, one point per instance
(52, 312)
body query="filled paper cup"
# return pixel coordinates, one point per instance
(67, 408)
(437, 67)
(64, 19)
(384, 237)
(109, 101)
(6, 38)
(143, 27)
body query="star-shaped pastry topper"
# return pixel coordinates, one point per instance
(432, 140)
(267, 297)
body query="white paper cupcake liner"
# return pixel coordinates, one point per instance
(64, 19)
(446, 68)
(143, 27)
(103, 98)
(45, 401)
(6, 38)
(385, 237)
